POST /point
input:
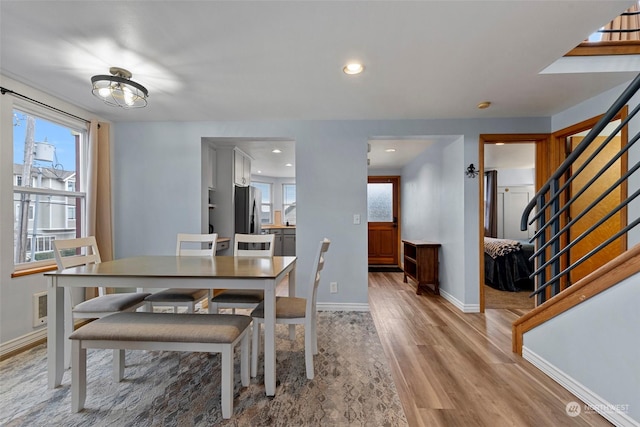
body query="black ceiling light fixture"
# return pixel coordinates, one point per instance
(118, 90)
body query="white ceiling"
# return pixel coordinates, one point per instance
(406, 150)
(267, 60)
(263, 160)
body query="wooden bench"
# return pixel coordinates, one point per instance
(211, 333)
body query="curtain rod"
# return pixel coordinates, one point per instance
(4, 91)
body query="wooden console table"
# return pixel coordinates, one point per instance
(421, 264)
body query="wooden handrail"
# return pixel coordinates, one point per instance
(610, 274)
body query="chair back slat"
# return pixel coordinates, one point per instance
(196, 241)
(315, 276)
(81, 251)
(255, 245)
(85, 251)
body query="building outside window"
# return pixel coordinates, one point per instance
(266, 216)
(289, 203)
(46, 150)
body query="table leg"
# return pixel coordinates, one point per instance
(55, 333)
(270, 337)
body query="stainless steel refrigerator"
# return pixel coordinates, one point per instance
(248, 202)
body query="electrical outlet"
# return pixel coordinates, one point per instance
(333, 287)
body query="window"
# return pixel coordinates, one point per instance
(267, 204)
(289, 203)
(46, 150)
(380, 202)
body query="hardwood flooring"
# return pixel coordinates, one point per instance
(457, 369)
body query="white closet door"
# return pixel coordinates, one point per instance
(511, 204)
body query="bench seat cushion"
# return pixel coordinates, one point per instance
(286, 308)
(110, 303)
(178, 295)
(165, 327)
(235, 296)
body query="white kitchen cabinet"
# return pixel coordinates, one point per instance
(242, 168)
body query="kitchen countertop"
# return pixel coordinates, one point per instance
(275, 226)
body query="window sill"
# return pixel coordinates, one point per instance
(34, 270)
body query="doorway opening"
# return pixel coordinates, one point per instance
(383, 223)
(511, 170)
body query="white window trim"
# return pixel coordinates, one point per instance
(76, 125)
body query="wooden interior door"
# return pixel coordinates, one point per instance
(609, 227)
(383, 219)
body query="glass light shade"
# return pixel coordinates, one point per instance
(104, 92)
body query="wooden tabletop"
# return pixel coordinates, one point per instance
(186, 266)
(421, 242)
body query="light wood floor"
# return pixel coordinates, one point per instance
(457, 369)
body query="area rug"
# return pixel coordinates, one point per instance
(352, 386)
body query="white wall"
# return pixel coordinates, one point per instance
(16, 306)
(513, 177)
(595, 346)
(421, 183)
(331, 177)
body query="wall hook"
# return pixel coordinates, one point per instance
(471, 171)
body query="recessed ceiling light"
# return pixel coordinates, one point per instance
(353, 68)
(390, 150)
(499, 143)
(289, 164)
(276, 150)
(259, 171)
(484, 104)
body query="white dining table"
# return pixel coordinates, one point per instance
(219, 272)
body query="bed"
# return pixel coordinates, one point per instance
(506, 264)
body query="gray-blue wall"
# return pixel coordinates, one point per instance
(157, 192)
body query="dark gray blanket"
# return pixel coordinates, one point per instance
(510, 272)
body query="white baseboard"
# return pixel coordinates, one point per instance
(592, 400)
(325, 306)
(465, 308)
(23, 341)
